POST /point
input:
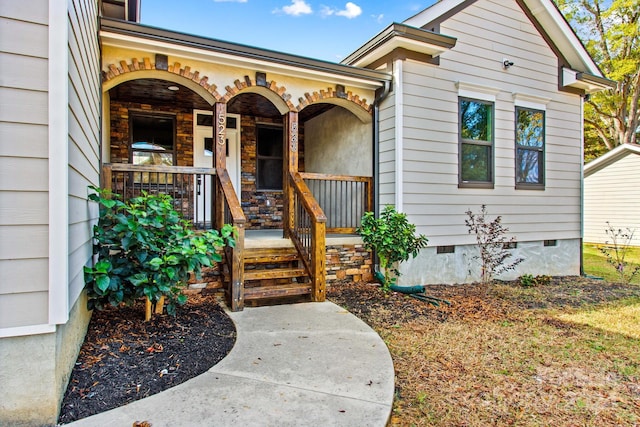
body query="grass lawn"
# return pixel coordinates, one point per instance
(563, 354)
(595, 263)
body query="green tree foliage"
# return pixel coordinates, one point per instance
(393, 238)
(145, 249)
(610, 30)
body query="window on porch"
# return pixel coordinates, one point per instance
(269, 157)
(152, 143)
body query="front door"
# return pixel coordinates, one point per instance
(203, 157)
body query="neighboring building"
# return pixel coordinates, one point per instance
(466, 103)
(611, 194)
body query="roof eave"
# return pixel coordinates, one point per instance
(589, 83)
(112, 29)
(610, 157)
(400, 35)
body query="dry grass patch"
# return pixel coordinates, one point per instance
(490, 359)
(622, 319)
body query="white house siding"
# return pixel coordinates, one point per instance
(611, 194)
(486, 32)
(386, 146)
(84, 136)
(23, 163)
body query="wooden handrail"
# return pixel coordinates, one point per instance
(309, 234)
(235, 255)
(127, 167)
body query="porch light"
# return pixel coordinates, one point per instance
(173, 88)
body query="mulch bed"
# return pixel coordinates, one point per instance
(124, 359)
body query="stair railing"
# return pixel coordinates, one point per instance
(307, 233)
(229, 211)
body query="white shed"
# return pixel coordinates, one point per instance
(611, 194)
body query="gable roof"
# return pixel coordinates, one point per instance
(611, 157)
(580, 70)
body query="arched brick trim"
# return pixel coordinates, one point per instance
(145, 69)
(358, 106)
(276, 94)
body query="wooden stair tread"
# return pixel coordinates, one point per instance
(270, 255)
(274, 273)
(277, 291)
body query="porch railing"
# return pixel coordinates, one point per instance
(191, 188)
(308, 234)
(344, 199)
(229, 205)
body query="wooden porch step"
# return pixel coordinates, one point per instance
(270, 255)
(274, 273)
(277, 291)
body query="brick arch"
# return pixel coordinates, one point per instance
(276, 94)
(147, 70)
(353, 103)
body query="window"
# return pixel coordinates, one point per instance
(269, 157)
(529, 148)
(152, 139)
(476, 143)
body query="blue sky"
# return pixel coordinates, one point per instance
(321, 29)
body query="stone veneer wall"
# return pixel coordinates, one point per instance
(349, 262)
(263, 208)
(120, 130)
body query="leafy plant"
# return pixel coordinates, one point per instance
(145, 249)
(616, 252)
(529, 281)
(492, 243)
(393, 238)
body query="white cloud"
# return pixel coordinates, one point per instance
(351, 10)
(230, 1)
(296, 8)
(378, 18)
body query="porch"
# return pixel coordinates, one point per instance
(317, 240)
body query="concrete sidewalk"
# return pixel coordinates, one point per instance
(311, 364)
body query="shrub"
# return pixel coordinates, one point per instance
(616, 252)
(145, 249)
(492, 243)
(393, 238)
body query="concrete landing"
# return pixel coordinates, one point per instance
(310, 364)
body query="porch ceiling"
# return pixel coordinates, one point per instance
(153, 91)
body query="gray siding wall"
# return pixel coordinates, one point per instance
(24, 148)
(84, 135)
(486, 32)
(386, 146)
(23, 163)
(612, 194)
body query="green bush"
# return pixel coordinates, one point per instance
(393, 238)
(145, 249)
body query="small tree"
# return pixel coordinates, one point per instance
(393, 238)
(145, 249)
(492, 243)
(616, 252)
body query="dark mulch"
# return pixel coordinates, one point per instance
(124, 359)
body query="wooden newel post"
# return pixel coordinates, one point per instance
(290, 165)
(220, 157)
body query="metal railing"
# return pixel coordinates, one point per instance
(192, 189)
(344, 199)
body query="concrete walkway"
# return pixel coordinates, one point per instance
(311, 364)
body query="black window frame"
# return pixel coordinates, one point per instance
(465, 141)
(259, 157)
(133, 114)
(540, 185)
